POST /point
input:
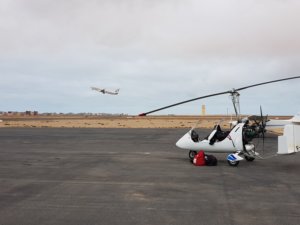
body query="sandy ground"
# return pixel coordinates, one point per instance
(109, 122)
(118, 121)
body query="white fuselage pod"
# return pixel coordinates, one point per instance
(232, 143)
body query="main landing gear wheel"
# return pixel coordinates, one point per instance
(192, 154)
(233, 163)
(249, 158)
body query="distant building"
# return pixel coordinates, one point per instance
(31, 113)
(203, 112)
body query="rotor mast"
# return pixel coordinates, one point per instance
(235, 97)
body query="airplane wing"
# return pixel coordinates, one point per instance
(98, 89)
(95, 89)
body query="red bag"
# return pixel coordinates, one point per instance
(199, 159)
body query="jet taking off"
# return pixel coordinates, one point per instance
(105, 91)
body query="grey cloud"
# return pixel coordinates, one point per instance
(157, 52)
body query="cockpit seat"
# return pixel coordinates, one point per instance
(195, 136)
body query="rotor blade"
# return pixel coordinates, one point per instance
(221, 93)
(179, 103)
(273, 81)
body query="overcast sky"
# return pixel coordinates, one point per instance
(157, 52)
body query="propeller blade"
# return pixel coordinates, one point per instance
(263, 135)
(263, 125)
(216, 94)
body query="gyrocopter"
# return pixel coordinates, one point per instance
(237, 141)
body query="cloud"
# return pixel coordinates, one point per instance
(157, 52)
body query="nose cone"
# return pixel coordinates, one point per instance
(184, 142)
(179, 143)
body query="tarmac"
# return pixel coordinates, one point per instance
(137, 176)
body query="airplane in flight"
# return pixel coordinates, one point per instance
(115, 92)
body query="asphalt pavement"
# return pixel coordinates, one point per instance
(138, 176)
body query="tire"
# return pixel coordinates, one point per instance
(233, 163)
(249, 159)
(192, 154)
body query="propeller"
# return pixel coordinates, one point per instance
(258, 127)
(263, 125)
(234, 93)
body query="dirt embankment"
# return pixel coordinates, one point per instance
(118, 121)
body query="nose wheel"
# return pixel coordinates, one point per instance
(234, 159)
(192, 154)
(233, 163)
